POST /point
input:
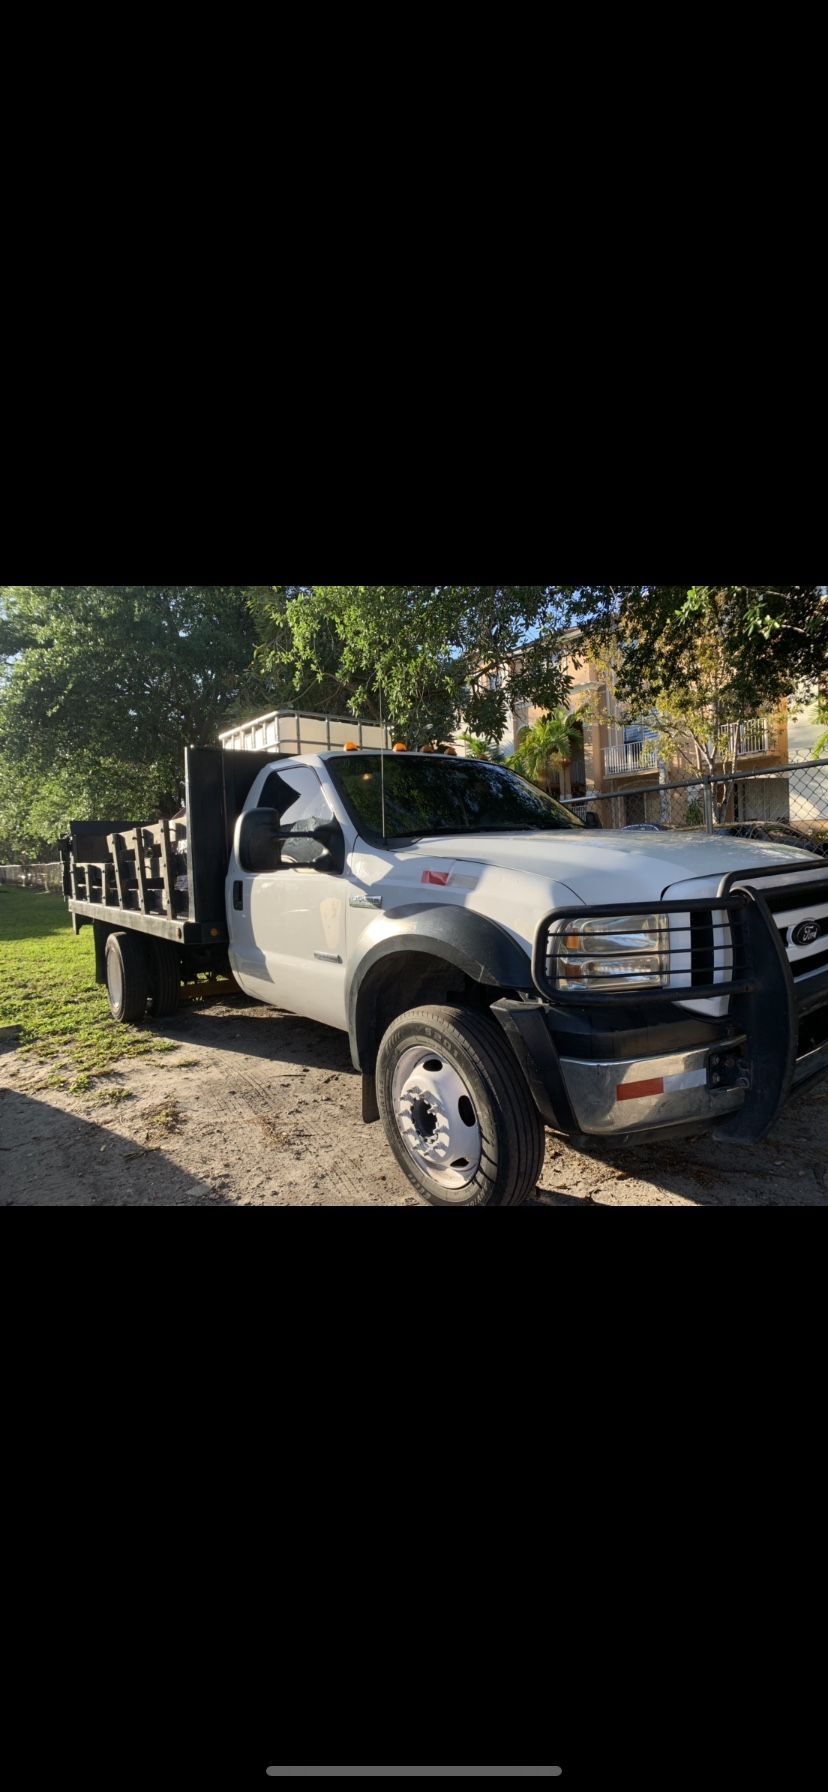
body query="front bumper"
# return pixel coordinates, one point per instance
(595, 1072)
(641, 1094)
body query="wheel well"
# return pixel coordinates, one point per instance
(410, 980)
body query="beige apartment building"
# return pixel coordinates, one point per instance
(619, 760)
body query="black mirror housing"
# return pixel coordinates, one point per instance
(262, 840)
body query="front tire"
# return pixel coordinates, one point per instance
(127, 976)
(457, 1111)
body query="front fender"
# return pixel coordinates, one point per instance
(479, 947)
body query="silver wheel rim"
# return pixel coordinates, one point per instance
(116, 980)
(436, 1117)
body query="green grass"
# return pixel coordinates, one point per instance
(48, 991)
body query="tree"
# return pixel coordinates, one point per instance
(772, 638)
(439, 654)
(549, 743)
(482, 749)
(683, 686)
(102, 687)
(821, 746)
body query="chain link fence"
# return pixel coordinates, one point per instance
(790, 799)
(33, 877)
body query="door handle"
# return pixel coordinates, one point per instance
(238, 894)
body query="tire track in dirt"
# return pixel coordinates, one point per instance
(292, 1123)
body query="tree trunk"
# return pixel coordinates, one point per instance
(665, 813)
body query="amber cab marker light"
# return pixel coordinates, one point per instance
(351, 746)
(400, 747)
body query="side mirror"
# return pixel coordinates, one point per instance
(262, 841)
(299, 846)
(330, 836)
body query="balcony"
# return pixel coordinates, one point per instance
(633, 757)
(748, 740)
(754, 738)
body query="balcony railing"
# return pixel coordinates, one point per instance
(634, 756)
(754, 737)
(749, 739)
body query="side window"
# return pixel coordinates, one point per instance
(299, 801)
(296, 796)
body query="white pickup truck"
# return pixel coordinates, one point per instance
(498, 967)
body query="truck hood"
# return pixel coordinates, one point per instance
(597, 865)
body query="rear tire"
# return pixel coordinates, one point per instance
(164, 978)
(457, 1111)
(127, 976)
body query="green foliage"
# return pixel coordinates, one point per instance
(673, 669)
(440, 653)
(770, 638)
(549, 743)
(36, 807)
(695, 662)
(482, 749)
(101, 689)
(820, 750)
(48, 991)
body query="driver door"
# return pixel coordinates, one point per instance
(287, 925)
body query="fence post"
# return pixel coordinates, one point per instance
(708, 804)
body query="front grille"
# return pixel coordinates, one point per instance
(705, 949)
(796, 904)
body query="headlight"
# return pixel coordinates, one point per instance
(610, 952)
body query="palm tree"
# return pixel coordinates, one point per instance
(482, 749)
(548, 744)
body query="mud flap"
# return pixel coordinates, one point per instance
(370, 1108)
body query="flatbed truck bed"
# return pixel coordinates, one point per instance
(129, 874)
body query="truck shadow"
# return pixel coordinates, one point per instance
(786, 1169)
(250, 1029)
(49, 1158)
(789, 1169)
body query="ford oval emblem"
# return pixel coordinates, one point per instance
(806, 933)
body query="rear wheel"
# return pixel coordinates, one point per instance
(164, 978)
(127, 976)
(457, 1111)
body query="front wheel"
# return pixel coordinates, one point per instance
(457, 1111)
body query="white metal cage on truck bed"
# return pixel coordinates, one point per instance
(288, 731)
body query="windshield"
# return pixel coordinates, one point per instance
(436, 795)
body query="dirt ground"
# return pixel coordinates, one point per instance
(258, 1108)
